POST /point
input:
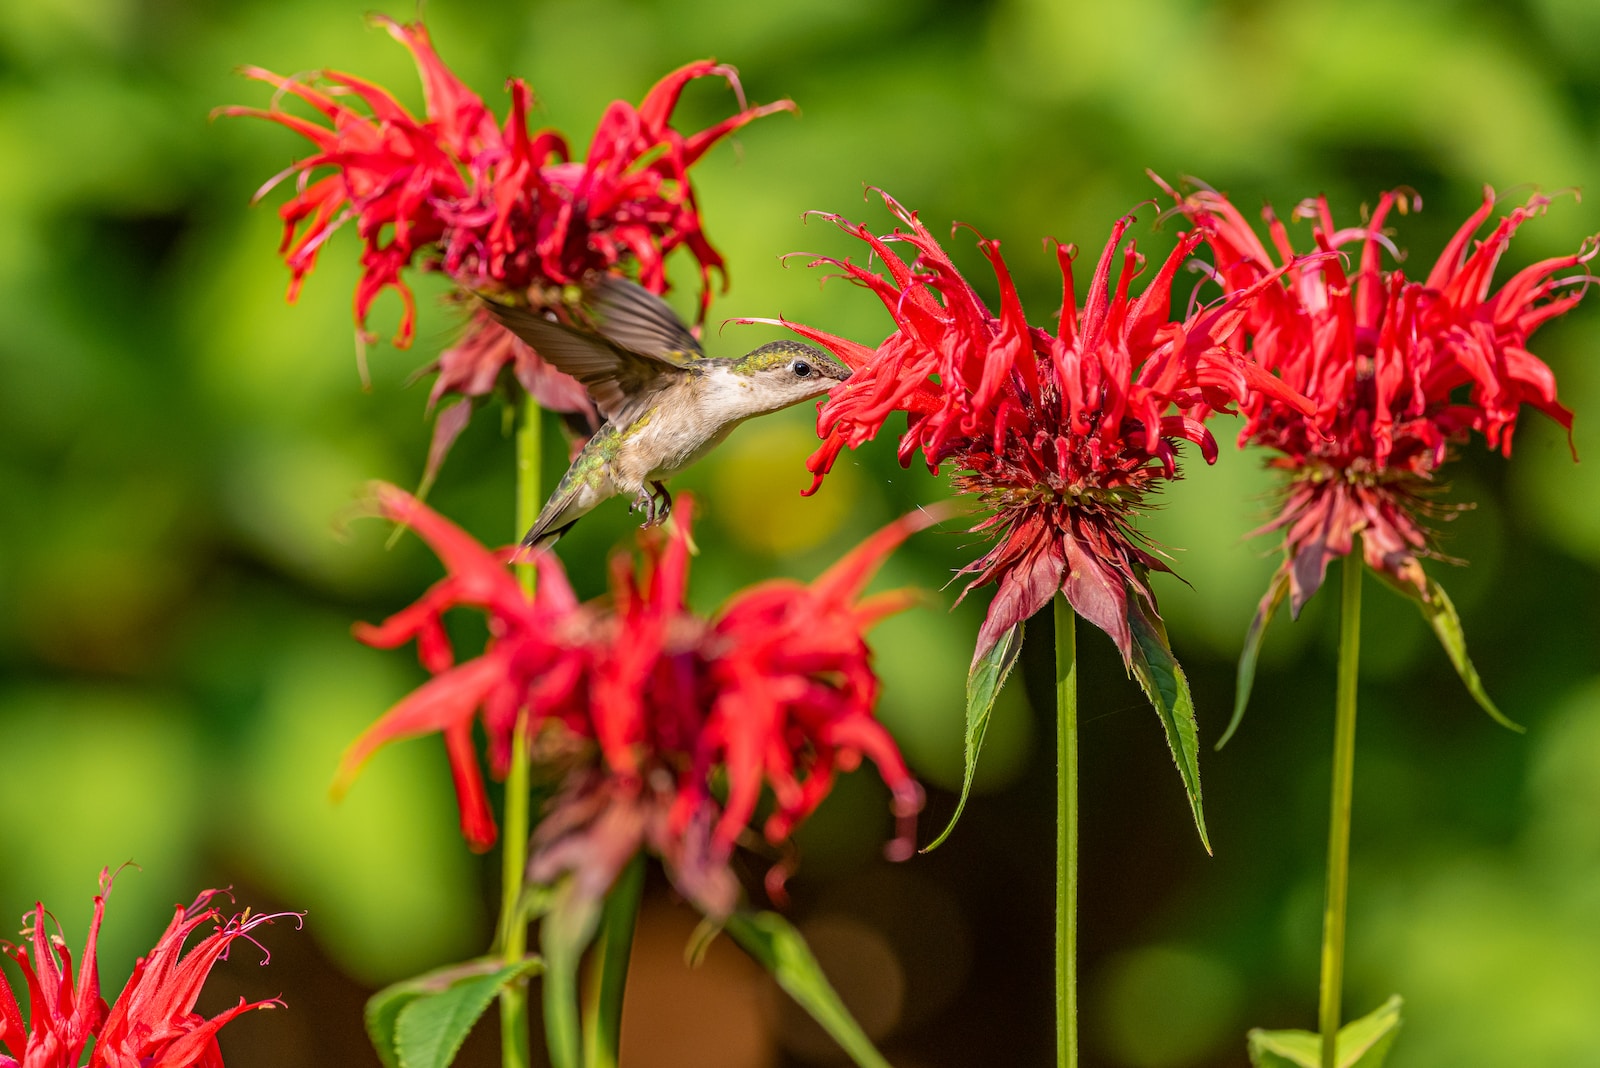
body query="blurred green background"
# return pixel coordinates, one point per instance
(179, 450)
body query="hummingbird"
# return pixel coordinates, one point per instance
(665, 402)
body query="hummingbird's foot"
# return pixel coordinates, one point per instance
(657, 503)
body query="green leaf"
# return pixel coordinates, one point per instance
(602, 1021)
(1441, 615)
(383, 1009)
(1246, 679)
(565, 932)
(388, 1007)
(1363, 1043)
(780, 949)
(1168, 689)
(430, 1030)
(984, 682)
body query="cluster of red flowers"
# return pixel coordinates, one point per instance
(152, 1024)
(496, 208)
(775, 691)
(1398, 371)
(1061, 435)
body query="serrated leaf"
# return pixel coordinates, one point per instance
(1167, 688)
(984, 683)
(1363, 1043)
(1441, 615)
(384, 1009)
(781, 949)
(430, 1030)
(1246, 679)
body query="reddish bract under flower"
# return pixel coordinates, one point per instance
(1399, 371)
(496, 208)
(152, 1024)
(774, 691)
(1062, 434)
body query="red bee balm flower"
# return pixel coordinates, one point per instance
(499, 210)
(534, 657)
(1061, 435)
(1399, 370)
(152, 1024)
(776, 690)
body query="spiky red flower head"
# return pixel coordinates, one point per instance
(1061, 435)
(152, 1024)
(776, 690)
(496, 208)
(1399, 371)
(533, 659)
(787, 660)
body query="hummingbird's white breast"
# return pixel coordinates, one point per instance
(690, 420)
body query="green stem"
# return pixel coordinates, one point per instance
(529, 496)
(1344, 761)
(602, 1000)
(1066, 836)
(512, 933)
(562, 1032)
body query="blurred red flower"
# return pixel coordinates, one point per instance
(1062, 435)
(152, 1024)
(776, 690)
(534, 658)
(496, 208)
(1399, 372)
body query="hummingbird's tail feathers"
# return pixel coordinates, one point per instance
(573, 499)
(629, 315)
(537, 539)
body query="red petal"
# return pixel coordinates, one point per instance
(444, 701)
(844, 581)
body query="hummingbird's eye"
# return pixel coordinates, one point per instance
(802, 369)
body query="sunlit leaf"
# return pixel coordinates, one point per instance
(1363, 1043)
(1440, 613)
(1168, 689)
(434, 1006)
(984, 683)
(1246, 679)
(781, 949)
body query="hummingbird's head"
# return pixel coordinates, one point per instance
(788, 372)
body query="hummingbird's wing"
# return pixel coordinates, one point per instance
(630, 316)
(639, 345)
